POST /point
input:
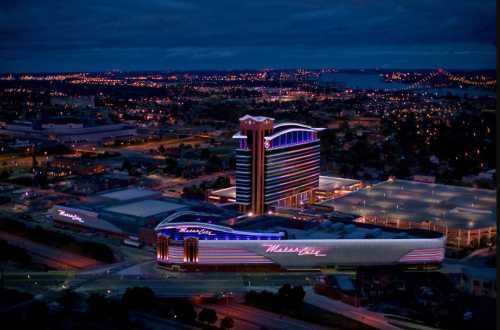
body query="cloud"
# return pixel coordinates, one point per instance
(205, 31)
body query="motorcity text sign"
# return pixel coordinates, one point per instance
(72, 216)
(199, 231)
(299, 250)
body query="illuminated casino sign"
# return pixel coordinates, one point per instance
(298, 250)
(72, 216)
(204, 231)
(198, 231)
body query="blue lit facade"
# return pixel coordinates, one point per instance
(276, 165)
(203, 231)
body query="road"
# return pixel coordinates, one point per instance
(52, 256)
(157, 323)
(13, 160)
(143, 148)
(254, 318)
(113, 280)
(118, 278)
(359, 314)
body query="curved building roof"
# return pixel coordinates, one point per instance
(278, 129)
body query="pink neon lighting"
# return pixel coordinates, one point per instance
(300, 251)
(423, 255)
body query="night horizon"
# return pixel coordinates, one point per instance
(270, 164)
(177, 35)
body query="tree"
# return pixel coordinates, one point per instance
(328, 142)
(37, 316)
(220, 182)
(185, 312)
(69, 299)
(161, 149)
(205, 153)
(127, 166)
(251, 297)
(117, 312)
(141, 298)
(193, 192)
(104, 308)
(297, 295)
(285, 292)
(227, 323)
(214, 164)
(40, 179)
(207, 315)
(4, 175)
(97, 305)
(171, 166)
(291, 296)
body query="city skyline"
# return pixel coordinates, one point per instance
(189, 164)
(175, 35)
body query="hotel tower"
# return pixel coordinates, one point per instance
(276, 164)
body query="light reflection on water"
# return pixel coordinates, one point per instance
(373, 81)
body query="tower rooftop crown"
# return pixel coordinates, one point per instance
(256, 122)
(256, 118)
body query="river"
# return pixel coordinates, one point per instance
(372, 81)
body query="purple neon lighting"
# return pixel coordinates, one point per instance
(290, 138)
(293, 138)
(218, 256)
(423, 255)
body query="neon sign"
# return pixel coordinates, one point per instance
(72, 216)
(199, 231)
(300, 251)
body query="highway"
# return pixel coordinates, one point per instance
(113, 280)
(143, 148)
(362, 315)
(168, 284)
(23, 160)
(157, 323)
(51, 256)
(254, 318)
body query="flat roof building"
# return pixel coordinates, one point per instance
(328, 187)
(130, 194)
(334, 187)
(463, 214)
(145, 208)
(122, 213)
(126, 212)
(70, 133)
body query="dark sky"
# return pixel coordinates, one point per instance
(93, 35)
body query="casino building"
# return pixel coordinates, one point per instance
(276, 164)
(195, 240)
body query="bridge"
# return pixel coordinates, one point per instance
(462, 80)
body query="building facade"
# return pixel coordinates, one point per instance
(194, 240)
(276, 164)
(70, 133)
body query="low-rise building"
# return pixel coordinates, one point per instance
(463, 214)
